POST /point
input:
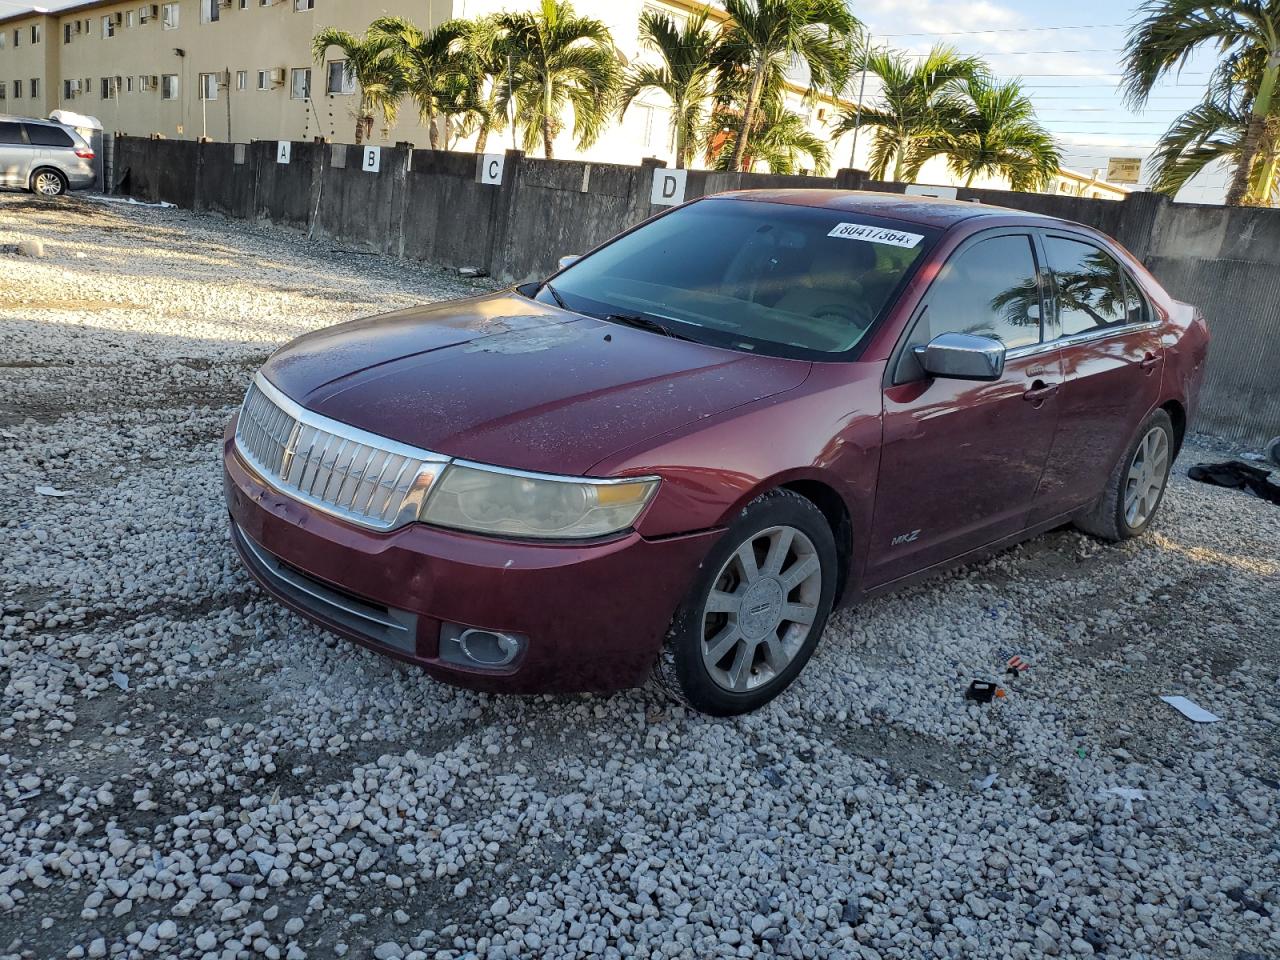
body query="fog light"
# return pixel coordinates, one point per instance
(479, 649)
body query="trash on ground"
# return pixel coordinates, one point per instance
(1016, 664)
(1237, 476)
(121, 680)
(47, 491)
(983, 691)
(129, 201)
(472, 272)
(1190, 710)
(986, 782)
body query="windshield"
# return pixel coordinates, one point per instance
(767, 277)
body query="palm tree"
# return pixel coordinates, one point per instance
(998, 135)
(763, 38)
(920, 100)
(373, 66)
(430, 63)
(1246, 32)
(779, 138)
(685, 75)
(560, 59)
(484, 47)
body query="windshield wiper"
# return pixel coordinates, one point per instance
(641, 322)
(555, 296)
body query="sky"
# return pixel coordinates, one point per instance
(1068, 56)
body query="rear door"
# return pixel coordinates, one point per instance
(1112, 356)
(961, 459)
(15, 155)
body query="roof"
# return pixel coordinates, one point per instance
(926, 211)
(75, 8)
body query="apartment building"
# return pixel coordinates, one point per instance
(243, 69)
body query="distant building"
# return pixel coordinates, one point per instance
(1072, 183)
(243, 70)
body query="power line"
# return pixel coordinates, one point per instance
(971, 33)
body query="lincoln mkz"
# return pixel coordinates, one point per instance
(681, 451)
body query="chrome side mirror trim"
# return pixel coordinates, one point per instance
(962, 356)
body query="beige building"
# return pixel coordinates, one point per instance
(243, 70)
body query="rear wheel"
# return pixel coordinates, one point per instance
(48, 183)
(1136, 486)
(754, 615)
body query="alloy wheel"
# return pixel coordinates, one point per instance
(48, 184)
(1146, 477)
(761, 608)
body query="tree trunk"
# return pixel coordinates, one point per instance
(900, 160)
(748, 114)
(433, 132)
(482, 139)
(679, 114)
(364, 109)
(1239, 188)
(969, 179)
(547, 136)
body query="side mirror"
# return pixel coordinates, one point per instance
(568, 260)
(962, 356)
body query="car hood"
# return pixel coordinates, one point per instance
(506, 380)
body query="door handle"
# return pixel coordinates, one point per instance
(1148, 362)
(1040, 391)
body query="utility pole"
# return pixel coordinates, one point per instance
(857, 114)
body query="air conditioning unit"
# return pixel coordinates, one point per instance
(79, 26)
(225, 4)
(119, 18)
(75, 87)
(277, 76)
(153, 11)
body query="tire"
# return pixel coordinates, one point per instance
(1124, 510)
(751, 622)
(47, 182)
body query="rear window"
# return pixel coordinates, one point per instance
(46, 136)
(771, 278)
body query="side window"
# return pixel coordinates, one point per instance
(1090, 286)
(990, 289)
(1135, 307)
(43, 136)
(10, 132)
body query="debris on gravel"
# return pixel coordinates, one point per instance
(189, 770)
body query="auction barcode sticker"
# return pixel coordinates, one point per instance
(862, 231)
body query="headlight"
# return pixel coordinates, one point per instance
(511, 504)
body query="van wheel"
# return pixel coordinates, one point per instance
(1136, 486)
(48, 183)
(756, 609)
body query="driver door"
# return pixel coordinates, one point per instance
(961, 459)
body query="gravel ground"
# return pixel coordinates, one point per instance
(187, 770)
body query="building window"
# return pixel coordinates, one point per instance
(4, 39)
(35, 87)
(209, 11)
(128, 18)
(264, 80)
(66, 33)
(304, 4)
(300, 84)
(244, 4)
(106, 88)
(128, 84)
(208, 86)
(144, 13)
(340, 79)
(17, 38)
(169, 86)
(108, 26)
(169, 16)
(17, 89)
(68, 90)
(242, 79)
(4, 93)
(37, 33)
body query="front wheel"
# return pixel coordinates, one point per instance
(1136, 486)
(48, 183)
(755, 612)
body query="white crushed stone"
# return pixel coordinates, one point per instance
(188, 770)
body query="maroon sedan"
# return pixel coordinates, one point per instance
(684, 449)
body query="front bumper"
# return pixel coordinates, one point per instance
(595, 614)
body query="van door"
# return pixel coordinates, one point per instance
(15, 155)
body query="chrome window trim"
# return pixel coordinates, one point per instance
(1076, 339)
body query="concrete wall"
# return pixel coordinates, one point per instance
(430, 205)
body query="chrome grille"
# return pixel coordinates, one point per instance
(359, 476)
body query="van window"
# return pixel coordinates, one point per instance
(42, 135)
